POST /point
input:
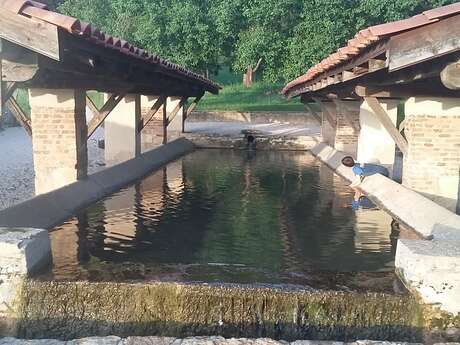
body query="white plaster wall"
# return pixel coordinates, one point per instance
(433, 106)
(375, 145)
(122, 142)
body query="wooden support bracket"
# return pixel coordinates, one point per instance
(100, 116)
(313, 113)
(2, 96)
(329, 117)
(151, 113)
(346, 114)
(190, 109)
(165, 122)
(19, 115)
(386, 122)
(176, 110)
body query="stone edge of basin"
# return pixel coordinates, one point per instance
(49, 210)
(430, 267)
(112, 340)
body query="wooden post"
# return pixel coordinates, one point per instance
(165, 122)
(386, 122)
(313, 113)
(190, 109)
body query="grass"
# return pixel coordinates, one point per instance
(262, 96)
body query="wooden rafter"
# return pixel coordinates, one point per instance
(176, 110)
(146, 118)
(19, 115)
(313, 113)
(346, 114)
(329, 117)
(190, 109)
(386, 122)
(105, 111)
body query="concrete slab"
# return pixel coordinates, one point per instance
(22, 252)
(432, 268)
(48, 210)
(409, 207)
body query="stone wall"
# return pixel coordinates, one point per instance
(346, 137)
(59, 138)
(432, 164)
(290, 117)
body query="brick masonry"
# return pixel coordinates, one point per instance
(341, 135)
(59, 138)
(346, 138)
(432, 163)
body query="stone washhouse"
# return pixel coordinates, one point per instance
(391, 96)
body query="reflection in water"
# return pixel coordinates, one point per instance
(222, 215)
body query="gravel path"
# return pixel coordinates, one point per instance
(17, 169)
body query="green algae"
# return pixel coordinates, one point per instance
(72, 310)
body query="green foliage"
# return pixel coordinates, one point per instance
(288, 35)
(262, 96)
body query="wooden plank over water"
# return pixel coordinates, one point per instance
(35, 35)
(425, 43)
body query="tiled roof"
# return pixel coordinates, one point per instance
(370, 36)
(90, 33)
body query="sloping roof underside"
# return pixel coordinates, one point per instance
(371, 36)
(90, 33)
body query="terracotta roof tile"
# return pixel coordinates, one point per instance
(365, 38)
(89, 32)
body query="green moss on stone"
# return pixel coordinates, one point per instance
(73, 310)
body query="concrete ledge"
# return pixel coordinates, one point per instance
(291, 117)
(269, 142)
(408, 207)
(432, 268)
(189, 341)
(48, 210)
(22, 252)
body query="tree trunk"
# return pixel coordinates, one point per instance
(248, 77)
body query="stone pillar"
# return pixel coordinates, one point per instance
(152, 134)
(22, 252)
(432, 163)
(346, 137)
(122, 138)
(327, 130)
(175, 127)
(59, 137)
(375, 145)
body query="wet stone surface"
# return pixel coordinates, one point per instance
(188, 341)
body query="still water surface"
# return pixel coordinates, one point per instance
(229, 216)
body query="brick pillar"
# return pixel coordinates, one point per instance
(375, 145)
(175, 127)
(327, 130)
(432, 163)
(59, 137)
(122, 140)
(152, 134)
(346, 138)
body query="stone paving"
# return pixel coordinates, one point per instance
(188, 341)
